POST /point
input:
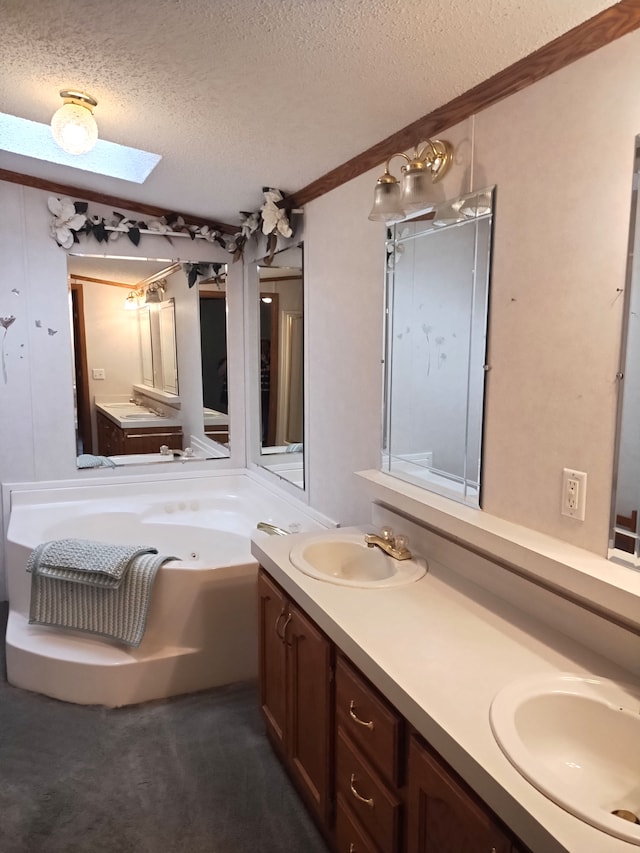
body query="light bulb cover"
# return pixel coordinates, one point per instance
(387, 206)
(73, 126)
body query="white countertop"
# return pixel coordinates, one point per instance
(440, 649)
(130, 416)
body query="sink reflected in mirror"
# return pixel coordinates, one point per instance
(577, 739)
(129, 398)
(346, 560)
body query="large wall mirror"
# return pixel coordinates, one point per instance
(624, 544)
(280, 298)
(437, 287)
(150, 361)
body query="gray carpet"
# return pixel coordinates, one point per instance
(182, 775)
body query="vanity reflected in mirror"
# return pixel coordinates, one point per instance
(624, 543)
(279, 292)
(437, 289)
(138, 331)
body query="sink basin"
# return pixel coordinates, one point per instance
(141, 416)
(347, 561)
(577, 739)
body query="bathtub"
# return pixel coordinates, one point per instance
(202, 623)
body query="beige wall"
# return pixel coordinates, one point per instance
(561, 156)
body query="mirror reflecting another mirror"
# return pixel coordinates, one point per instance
(136, 325)
(624, 544)
(281, 364)
(437, 288)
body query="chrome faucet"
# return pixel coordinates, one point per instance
(394, 546)
(271, 529)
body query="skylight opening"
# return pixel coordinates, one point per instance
(33, 139)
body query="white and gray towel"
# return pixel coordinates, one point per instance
(95, 587)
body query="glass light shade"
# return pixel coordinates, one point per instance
(132, 302)
(416, 189)
(153, 296)
(74, 128)
(386, 203)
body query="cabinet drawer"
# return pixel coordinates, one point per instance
(370, 721)
(376, 807)
(349, 836)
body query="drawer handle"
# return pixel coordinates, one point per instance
(368, 801)
(352, 848)
(357, 719)
(280, 637)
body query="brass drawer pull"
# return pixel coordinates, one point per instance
(368, 801)
(357, 719)
(282, 612)
(352, 848)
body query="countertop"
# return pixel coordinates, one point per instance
(440, 649)
(130, 416)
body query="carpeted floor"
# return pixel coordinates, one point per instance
(183, 775)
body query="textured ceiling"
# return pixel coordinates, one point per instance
(249, 93)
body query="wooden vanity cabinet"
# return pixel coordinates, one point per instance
(393, 792)
(296, 674)
(117, 441)
(444, 814)
(369, 763)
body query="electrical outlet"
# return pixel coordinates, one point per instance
(98, 373)
(574, 494)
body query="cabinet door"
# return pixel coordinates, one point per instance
(443, 817)
(273, 692)
(310, 720)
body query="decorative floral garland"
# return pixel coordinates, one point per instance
(71, 220)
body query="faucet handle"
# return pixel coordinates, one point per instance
(401, 543)
(387, 534)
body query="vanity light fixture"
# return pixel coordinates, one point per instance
(73, 126)
(155, 292)
(133, 300)
(394, 199)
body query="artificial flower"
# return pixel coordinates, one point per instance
(65, 221)
(250, 223)
(274, 218)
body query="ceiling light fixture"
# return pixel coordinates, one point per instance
(394, 199)
(73, 125)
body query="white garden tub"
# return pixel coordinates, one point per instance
(202, 623)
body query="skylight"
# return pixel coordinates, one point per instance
(32, 139)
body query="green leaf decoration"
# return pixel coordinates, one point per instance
(81, 206)
(193, 275)
(119, 216)
(134, 235)
(99, 232)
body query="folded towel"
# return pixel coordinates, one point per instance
(89, 460)
(119, 614)
(84, 561)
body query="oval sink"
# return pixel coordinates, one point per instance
(577, 739)
(347, 561)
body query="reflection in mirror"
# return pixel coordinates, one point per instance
(128, 351)
(437, 298)
(624, 544)
(281, 369)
